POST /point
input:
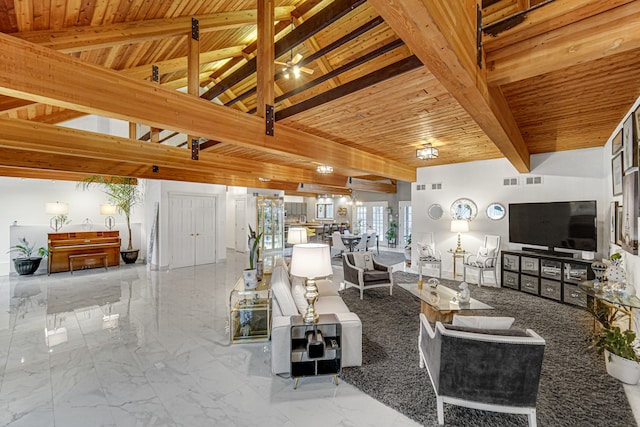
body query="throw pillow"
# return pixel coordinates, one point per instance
(426, 250)
(483, 255)
(363, 260)
(483, 322)
(297, 291)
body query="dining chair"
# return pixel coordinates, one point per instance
(372, 240)
(337, 245)
(362, 244)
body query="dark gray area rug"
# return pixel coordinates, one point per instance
(575, 389)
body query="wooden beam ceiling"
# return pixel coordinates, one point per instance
(76, 39)
(451, 58)
(95, 90)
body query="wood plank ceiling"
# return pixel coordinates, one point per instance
(556, 75)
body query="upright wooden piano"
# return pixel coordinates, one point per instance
(84, 249)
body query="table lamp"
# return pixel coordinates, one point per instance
(297, 235)
(59, 212)
(459, 226)
(110, 211)
(311, 260)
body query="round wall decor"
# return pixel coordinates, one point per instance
(496, 211)
(464, 208)
(435, 211)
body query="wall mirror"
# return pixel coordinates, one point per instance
(496, 211)
(435, 211)
(464, 209)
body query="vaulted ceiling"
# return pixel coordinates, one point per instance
(387, 77)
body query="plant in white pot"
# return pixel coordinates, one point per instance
(125, 193)
(26, 263)
(621, 351)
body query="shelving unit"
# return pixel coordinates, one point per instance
(316, 349)
(549, 276)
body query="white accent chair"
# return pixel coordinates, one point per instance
(372, 240)
(337, 245)
(485, 260)
(362, 271)
(361, 246)
(486, 367)
(428, 256)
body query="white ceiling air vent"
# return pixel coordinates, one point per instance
(533, 180)
(510, 182)
(436, 186)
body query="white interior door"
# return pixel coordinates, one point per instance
(241, 226)
(192, 230)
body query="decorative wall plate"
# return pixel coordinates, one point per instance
(435, 211)
(496, 211)
(464, 208)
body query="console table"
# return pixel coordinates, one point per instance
(549, 276)
(250, 312)
(620, 302)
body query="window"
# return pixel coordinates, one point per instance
(324, 210)
(361, 219)
(406, 222)
(378, 220)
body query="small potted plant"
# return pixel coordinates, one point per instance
(25, 263)
(620, 353)
(392, 234)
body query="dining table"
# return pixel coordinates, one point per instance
(350, 240)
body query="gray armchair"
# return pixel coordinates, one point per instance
(491, 370)
(371, 274)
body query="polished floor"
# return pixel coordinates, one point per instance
(131, 347)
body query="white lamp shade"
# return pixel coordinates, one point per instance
(106, 209)
(57, 208)
(297, 235)
(459, 226)
(311, 260)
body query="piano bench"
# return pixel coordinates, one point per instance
(100, 255)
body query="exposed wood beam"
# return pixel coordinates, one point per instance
(48, 139)
(550, 17)
(179, 64)
(97, 90)
(421, 24)
(264, 78)
(322, 189)
(77, 39)
(8, 103)
(368, 185)
(41, 174)
(608, 33)
(395, 69)
(313, 25)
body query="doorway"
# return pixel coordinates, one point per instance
(192, 230)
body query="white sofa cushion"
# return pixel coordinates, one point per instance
(483, 322)
(326, 288)
(281, 291)
(297, 291)
(330, 305)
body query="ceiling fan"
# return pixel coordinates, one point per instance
(291, 67)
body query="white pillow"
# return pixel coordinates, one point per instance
(484, 254)
(363, 260)
(281, 290)
(426, 250)
(297, 291)
(483, 322)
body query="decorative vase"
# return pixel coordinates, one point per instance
(250, 278)
(625, 370)
(129, 257)
(259, 270)
(599, 268)
(615, 273)
(26, 266)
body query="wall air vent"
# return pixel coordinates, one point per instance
(510, 182)
(436, 186)
(420, 187)
(533, 180)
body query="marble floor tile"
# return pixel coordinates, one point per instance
(136, 347)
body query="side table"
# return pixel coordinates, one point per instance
(457, 255)
(316, 348)
(250, 312)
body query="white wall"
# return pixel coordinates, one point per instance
(24, 200)
(568, 175)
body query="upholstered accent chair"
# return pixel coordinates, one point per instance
(372, 240)
(485, 260)
(362, 271)
(427, 254)
(488, 369)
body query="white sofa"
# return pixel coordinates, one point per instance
(329, 301)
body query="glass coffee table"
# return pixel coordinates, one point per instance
(441, 303)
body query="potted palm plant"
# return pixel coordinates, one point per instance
(621, 353)
(125, 193)
(26, 263)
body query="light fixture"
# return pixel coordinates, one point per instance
(110, 210)
(427, 153)
(311, 260)
(261, 179)
(459, 226)
(297, 235)
(59, 212)
(324, 169)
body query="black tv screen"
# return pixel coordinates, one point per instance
(566, 225)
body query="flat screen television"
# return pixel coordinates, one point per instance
(565, 225)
